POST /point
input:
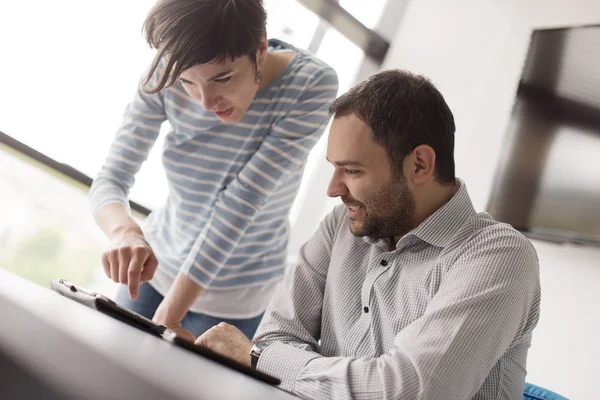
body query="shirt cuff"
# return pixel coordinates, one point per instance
(284, 361)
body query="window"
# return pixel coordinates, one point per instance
(41, 238)
(369, 16)
(70, 68)
(69, 79)
(345, 57)
(291, 22)
(342, 55)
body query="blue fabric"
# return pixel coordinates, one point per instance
(149, 299)
(533, 392)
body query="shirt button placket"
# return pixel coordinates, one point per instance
(368, 286)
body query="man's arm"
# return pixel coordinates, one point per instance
(447, 353)
(294, 312)
(293, 316)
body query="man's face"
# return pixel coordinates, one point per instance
(379, 204)
(226, 89)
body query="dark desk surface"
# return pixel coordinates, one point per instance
(55, 346)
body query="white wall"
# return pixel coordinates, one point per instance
(474, 50)
(565, 353)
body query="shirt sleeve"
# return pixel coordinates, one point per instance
(135, 137)
(280, 156)
(480, 308)
(293, 317)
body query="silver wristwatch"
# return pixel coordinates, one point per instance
(256, 351)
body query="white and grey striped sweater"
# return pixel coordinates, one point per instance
(231, 187)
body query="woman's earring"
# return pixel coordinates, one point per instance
(258, 77)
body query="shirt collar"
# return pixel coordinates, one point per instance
(440, 226)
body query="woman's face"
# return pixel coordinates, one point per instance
(225, 88)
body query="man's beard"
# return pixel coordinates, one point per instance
(388, 213)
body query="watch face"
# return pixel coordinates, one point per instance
(255, 351)
(253, 358)
(260, 346)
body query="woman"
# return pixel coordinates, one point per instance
(244, 112)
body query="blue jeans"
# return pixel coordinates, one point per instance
(149, 299)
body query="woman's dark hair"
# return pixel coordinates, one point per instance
(190, 32)
(404, 111)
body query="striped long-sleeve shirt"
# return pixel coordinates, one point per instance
(231, 187)
(447, 314)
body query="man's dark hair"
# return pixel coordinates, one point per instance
(404, 111)
(191, 32)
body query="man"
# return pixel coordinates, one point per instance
(404, 292)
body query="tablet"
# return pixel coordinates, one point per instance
(109, 307)
(106, 306)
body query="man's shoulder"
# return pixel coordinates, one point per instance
(485, 228)
(488, 240)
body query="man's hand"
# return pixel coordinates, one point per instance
(229, 341)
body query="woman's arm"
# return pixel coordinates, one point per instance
(129, 258)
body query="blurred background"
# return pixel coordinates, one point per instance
(69, 69)
(522, 78)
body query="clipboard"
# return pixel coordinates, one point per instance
(107, 306)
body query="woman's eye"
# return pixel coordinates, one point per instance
(223, 80)
(351, 171)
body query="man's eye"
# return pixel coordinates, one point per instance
(351, 171)
(223, 80)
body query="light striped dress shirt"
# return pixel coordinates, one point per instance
(225, 221)
(446, 315)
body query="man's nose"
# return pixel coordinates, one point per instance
(336, 186)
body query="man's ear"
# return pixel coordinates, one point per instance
(422, 163)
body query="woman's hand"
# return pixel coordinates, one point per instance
(174, 307)
(129, 259)
(161, 317)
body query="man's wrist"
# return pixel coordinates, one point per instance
(257, 349)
